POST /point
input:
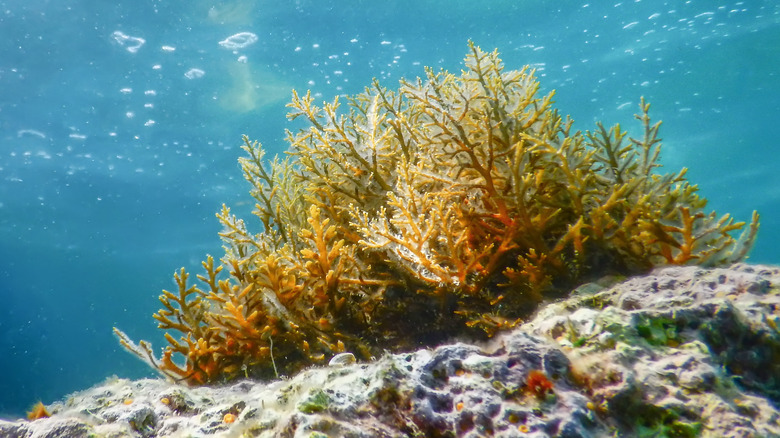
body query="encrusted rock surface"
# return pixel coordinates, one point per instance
(683, 351)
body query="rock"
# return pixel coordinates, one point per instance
(683, 351)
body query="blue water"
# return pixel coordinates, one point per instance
(120, 124)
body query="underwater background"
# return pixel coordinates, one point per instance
(120, 127)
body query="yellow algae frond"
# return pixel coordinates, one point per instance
(452, 205)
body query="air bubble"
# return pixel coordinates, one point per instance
(131, 43)
(239, 41)
(194, 73)
(30, 132)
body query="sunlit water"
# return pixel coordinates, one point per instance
(120, 124)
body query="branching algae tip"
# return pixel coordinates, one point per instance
(448, 207)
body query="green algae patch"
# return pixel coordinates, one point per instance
(317, 401)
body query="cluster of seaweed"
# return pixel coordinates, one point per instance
(451, 206)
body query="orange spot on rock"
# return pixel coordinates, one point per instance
(538, 383)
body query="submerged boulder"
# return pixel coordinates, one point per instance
(682, 351)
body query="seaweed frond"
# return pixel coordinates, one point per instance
(455, 203)
(38, 411)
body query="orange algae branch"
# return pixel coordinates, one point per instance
(38, 411)
(455, 203)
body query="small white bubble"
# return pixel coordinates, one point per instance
(315, 46)
(31, 132)
(130, 43)
(384, 43)
(149, 122)
(298, 49)
(239, 41)
(353, 40)
(156, 67)
(630, 25)
(129, 114)
(168, 48)
(194, 73)
(242, 59)
(150, 93)
(126, 90)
